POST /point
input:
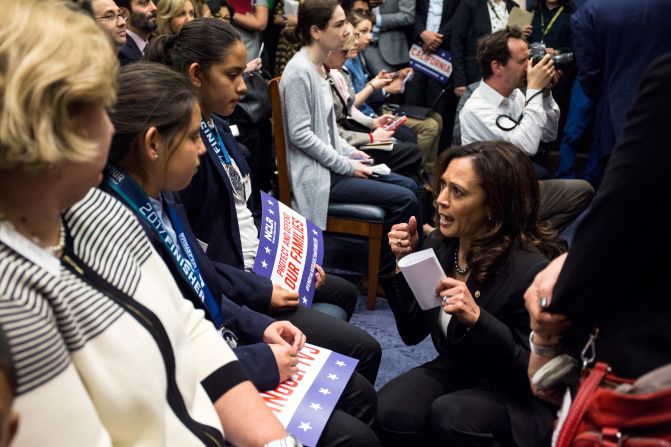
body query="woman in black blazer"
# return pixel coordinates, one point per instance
(471, 21)
(491, 246)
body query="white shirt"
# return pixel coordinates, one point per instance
(498, 15)
(249, 234)
(435, 15)
(539, 122)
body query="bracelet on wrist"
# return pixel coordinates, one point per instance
(371, 86)
(543, 351)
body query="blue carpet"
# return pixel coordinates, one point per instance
(397, 358)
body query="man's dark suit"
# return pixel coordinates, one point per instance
(471, 21)
(129, 52)
(613, 42)
(616, 274)
(492, 355)
(422, 90)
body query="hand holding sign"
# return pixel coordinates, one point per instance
(290, 248)
(285, 357)
(282, 299)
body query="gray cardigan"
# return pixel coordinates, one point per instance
(307, 136)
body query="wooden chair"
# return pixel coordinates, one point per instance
(344, 218)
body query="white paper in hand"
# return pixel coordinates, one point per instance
(423, 272)
(381, 169)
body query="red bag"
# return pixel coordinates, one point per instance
(600, 416)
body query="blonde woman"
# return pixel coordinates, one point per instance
(106, 349)
(171, 15)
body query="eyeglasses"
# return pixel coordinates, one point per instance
(113, 17)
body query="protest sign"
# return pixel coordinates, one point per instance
(437, 65)
(290, 247)
(304, 403)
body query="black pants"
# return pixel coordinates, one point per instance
(430, 406)
(350, 423)
(338, 291)
(396, 194)
(404, 159)
(563, 200)
(339, 336)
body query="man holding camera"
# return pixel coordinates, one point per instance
(498, 110)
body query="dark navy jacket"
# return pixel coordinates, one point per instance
(613, 42)
(210, 208)
(129, 52)
(255, 356)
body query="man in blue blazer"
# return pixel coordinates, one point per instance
(613, 41)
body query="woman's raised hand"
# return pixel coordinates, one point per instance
(403, 238)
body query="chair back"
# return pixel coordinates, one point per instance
(283, 180)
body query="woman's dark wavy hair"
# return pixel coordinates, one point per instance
(513, 198)
(149, 95)
(205, 41)
(310, 13)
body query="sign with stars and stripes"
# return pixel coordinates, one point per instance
(304, 403)
(290, 248)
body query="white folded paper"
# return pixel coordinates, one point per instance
(423, 272)
(381, 169)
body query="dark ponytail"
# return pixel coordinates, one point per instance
(204, 41)
(149, 95)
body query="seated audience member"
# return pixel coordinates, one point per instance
(595, 286)
(147, 164)
(109, 17)
(490, 244)
(372, 92)
(79, 279)
(171, 15)
(9, 419)
(358, 129)
(498, 110)
(140, 24)
(144, 175)
(217, 199)
(323, 167)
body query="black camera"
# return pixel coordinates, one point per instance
(562, 61)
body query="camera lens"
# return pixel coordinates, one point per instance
(563, 61)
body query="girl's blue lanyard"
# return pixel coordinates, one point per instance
(215, 144)
(133, 195)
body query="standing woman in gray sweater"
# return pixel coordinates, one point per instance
(322, 166)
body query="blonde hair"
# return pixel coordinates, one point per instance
(45, 71)
(168, 10)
